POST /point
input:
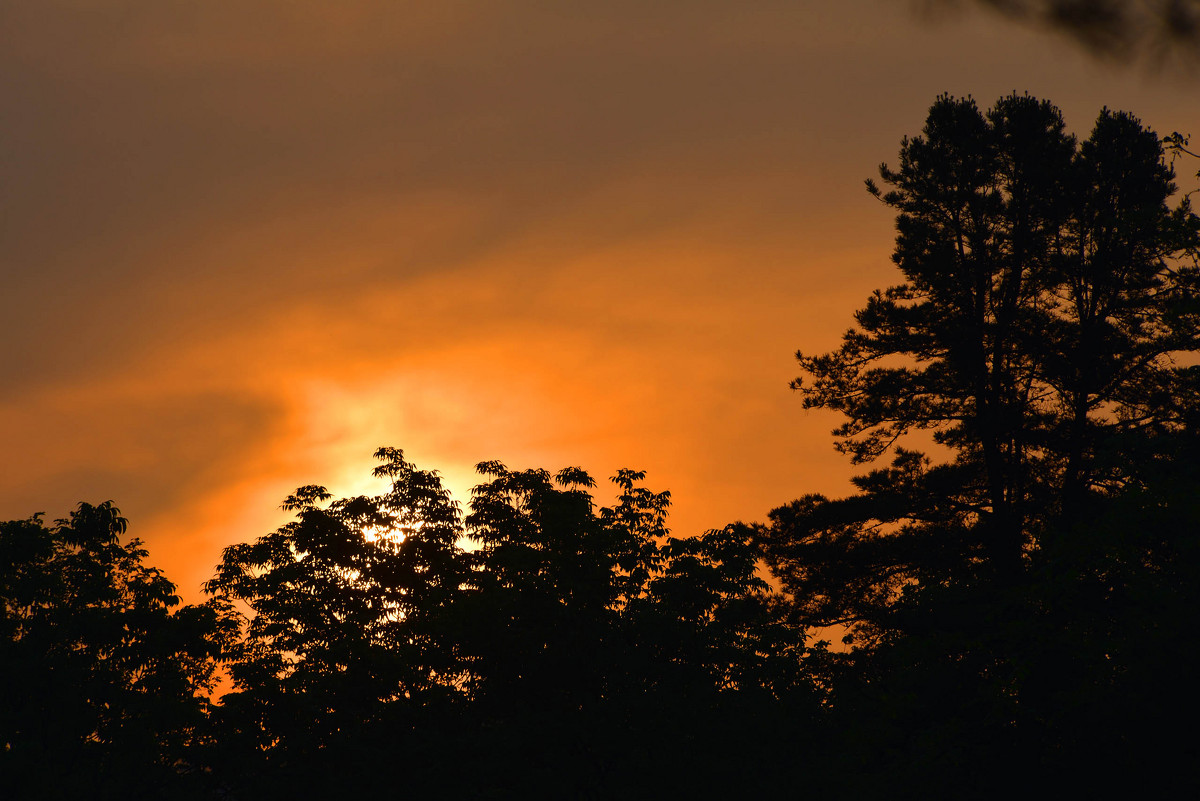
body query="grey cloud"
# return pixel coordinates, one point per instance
(140, 133)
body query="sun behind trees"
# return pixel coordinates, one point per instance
(378, 652)
(1020, 603)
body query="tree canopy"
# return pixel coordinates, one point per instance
(1040, 340)
(1016, 576)
(564, 631)
(1049, 293)
(106, 681)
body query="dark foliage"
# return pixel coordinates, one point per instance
(1017, 576)
(105, 687)
(993, 592)
(571, 650)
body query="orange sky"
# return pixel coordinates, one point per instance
(244, 244)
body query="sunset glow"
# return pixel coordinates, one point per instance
(244, 245)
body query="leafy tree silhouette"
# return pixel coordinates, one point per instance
(379, 652)
(595, 627)
(342, 635)
(1049, 288)
(1020, 602)
(105, 686)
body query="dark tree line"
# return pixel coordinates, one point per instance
(1023, 592)
(1015, 582)
(571, 647)
(104, 687)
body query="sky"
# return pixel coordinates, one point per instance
(244, 244)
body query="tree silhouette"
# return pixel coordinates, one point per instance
(378, 651)
(1049, 288)
(1017, 576)
(342, 634)
(105, 685)
(595, 628)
